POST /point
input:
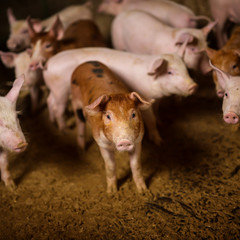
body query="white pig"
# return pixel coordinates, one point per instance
(231, 98)
(140, 32)
(11, 136)
(33, 79)
(151, 76)
(223, 10)
(169, 12)
(19, 38)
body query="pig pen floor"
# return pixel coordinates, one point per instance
(193, 181)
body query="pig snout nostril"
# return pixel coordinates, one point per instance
(125, 145)
(34, 66)
(231, 118)
(21, 147)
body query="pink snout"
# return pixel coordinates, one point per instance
(34, 66)
(231, 118)
(125, 145)
(192, 88)
(13, 45)
(21, 147)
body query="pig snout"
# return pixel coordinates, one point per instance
(13, 45)
(192, 88)
(21, 147)
(231, 118)
(125, 145)
(34, 66)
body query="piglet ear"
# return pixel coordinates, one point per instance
(158, 67)
(8, 58)
(184, 37)
(57, 30)
(31, 29)
(237, 52)
(222, 76)
(95, 107)
(14, 92)
(210, 52)
(142, 104)
(181, 50)
(37, 25)
(209, 27)
(11, 17)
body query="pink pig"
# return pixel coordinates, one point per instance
(151, 76)
(11, 136)
(33, 79)
(223, 10)
(140, 32)
(231, 100)
(19, 38)
(169, 12)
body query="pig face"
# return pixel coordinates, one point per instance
(170, 76)
(44, 44)
(231, 101)
(19, 38)
(121, 120)
(11, 136)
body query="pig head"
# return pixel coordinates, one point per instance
(231, 99)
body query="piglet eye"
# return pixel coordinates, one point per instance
(24, 31)
(169, 73)
(133, 115)
(48, 45)
(234, 66)
(226, 94)
(108, 117)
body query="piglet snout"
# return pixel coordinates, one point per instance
(231, 118)
(192, 88)
(21, 147)
(125, 145)
(34, 66)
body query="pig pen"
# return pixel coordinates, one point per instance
(193, 177)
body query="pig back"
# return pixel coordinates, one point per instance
(82, 33)
(95, 79)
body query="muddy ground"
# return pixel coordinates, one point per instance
(193, 178)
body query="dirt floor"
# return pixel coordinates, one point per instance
(193, 180)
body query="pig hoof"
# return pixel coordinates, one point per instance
(142, 188)
(10, 184)
(112, 189)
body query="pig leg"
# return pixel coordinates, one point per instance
(151, 124)
(135, 164)
(34, 93)
(110, 166)
(5, 174)
(50, 103)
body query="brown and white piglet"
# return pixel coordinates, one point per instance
(11, 136)
(45, 44)
(114, 115)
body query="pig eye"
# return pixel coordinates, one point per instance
(226, 94)
(48, 45)
(169, 73)
(234, 66)
(108, 117)
(133, 115)
(24, 31)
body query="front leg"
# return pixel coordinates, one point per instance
(110, 167)
(5, 174)
(151, 124)
(135, 164)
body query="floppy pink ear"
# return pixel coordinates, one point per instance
(11, 17)
(94, 107)
(57, 30)
(181, 50)
(209, 27)
(142, 104)
(157, 67)
(14, 92)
